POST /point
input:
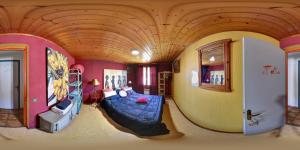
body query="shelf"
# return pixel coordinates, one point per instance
(163, 82)
(75, 93)
(74, 73)
(75, 83)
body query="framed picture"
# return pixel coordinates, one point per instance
(176, 66)
(114, 79)
(57, 76)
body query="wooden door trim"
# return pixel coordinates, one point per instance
(25, 49)
(287, 52)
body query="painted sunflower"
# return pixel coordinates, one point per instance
(58, 66)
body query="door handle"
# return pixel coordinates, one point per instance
(249, 114)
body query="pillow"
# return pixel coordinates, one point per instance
(142, 100)
(61, 112)
(127, 88)
(109, 94)
(63, 104)
(123, 93)
(129, 92)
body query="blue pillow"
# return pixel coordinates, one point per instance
(63, 104)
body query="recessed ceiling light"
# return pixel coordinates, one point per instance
(135, 52)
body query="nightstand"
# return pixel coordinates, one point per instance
(94, 97)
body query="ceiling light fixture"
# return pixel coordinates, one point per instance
(146, 57)
(135, 52)
(212, 59)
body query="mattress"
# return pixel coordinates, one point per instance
(143, 119)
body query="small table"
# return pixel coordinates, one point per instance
(94, 97)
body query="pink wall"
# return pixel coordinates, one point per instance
(216, 68)
(37, 70)
(290, 41)
(95, 69)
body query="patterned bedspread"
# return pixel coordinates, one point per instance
(143, 119)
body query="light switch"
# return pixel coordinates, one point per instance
(34, 100)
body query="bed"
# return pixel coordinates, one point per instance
(143, 119)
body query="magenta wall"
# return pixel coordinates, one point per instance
(133, 76)
(290, 41)
(37, 70)
(95, 69)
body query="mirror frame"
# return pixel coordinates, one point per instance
(225, 46)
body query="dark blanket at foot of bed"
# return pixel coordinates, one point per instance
(143, 119)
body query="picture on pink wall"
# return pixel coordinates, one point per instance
(57, 76)
(114, 79)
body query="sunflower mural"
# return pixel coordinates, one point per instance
(57, 76)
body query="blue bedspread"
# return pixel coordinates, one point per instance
(143, 119)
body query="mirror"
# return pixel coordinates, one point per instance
(214, 68)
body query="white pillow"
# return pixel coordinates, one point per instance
(123, 93)
(109, 94)
(128, 88)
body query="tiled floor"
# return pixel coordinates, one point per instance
(11, 118)
(294, 116)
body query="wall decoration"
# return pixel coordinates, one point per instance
(195, 79)
(57, 76)
(270, 70)
(114, 79)
(176, 66)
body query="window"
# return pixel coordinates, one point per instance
(146, 76)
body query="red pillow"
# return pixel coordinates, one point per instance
(142, 100)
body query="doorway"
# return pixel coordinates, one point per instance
(22, 116)
(11, 89)
(293, 116)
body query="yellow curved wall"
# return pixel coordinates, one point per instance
(221, 111)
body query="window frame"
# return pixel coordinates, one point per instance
(146, 76)
(225, 44)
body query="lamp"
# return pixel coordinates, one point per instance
(129, 83)
(95, 83)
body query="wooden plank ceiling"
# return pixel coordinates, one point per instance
(109, 29)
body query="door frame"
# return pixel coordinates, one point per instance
(25, 49)
(19, 78)
(287, 52)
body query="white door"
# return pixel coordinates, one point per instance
(9, 84)
(264, 86)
